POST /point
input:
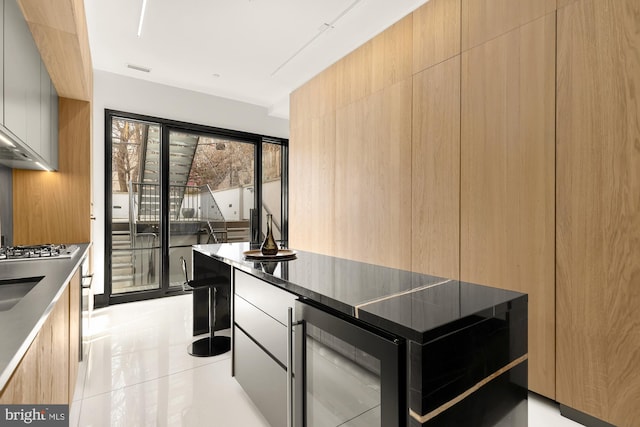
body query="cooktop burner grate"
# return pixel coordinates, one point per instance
(35, 252)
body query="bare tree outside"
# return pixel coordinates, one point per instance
(127, 141)
(222, 164)
(271, 162)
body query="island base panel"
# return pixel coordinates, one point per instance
(502, 402)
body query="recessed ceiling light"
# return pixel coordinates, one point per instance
(139, 68)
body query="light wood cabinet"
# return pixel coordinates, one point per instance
(380, 63)
(436, 33)
(598, 209)
(42, 377)
(75, 347)
(314, 148)
(435, 170)
(483, 20)
(372, 180)
(59, 29)
(569, 241)
(562, 3)
(56, 207)
(507, 201)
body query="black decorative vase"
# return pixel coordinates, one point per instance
(269, 246)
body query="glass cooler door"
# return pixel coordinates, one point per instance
(351, 376)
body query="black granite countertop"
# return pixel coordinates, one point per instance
(415, 306)
(20, 324)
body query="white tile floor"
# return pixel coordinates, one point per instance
(138, 373)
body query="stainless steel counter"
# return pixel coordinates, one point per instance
(20, 325)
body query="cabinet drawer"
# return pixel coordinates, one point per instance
(261, 378)
(265, 296)
(270, 333)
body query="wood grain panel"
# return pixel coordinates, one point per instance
(373, 178)
(312, 160)
(483, 20)
(563, 3)
(316, 98)
(436, 33)
(60, 18)
(300, 185)
(55, 206)
(354, 75)
(435, 170)
(392, 54)
(60, 31)
(53, 357)
(380, 63)
(22, 387)
(507, 178)
(42, 375)
(598, 209)
(74, 331)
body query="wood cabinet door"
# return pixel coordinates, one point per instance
(75, 346)
(21, 78)
(435, 170)
(41, 377)
(598, 209)
(372, 181)
(483, 20)
(507, 178)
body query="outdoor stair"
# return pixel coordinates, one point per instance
(122, 269)
(182, 149)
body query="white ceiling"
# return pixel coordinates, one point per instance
(254, 46)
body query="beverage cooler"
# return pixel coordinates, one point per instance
(342, 372)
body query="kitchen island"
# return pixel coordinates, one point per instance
(22, 324)
(448, 352)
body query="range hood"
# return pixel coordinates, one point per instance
(17, 155)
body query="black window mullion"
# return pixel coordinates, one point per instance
(164, 207)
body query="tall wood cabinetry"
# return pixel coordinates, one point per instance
(315, 128)
(443, 155)
(524, 173)
(56, 207)
(435, 140)
(507, 178)
(598, 209)
(360, 104)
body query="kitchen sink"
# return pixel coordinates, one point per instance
(13, 290)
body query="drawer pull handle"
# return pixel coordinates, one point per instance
(290, 325)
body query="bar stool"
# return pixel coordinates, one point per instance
(211, 345)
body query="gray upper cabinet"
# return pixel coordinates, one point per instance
(53, 131)
(48, 119)
(28, 96)
(21, 76)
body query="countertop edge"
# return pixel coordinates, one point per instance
(360, 312)
(281, 283)
(9, 369)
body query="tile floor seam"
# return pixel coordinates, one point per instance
(153, 379)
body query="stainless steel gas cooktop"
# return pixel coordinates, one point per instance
(36, 252)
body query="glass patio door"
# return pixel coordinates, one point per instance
(174, 185)
(211, 194)
(135, 220)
